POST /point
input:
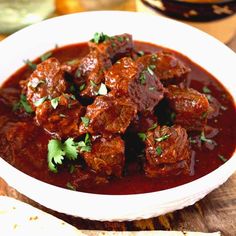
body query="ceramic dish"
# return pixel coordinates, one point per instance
(198, 46)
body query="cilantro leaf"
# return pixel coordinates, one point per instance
(142, 136)
(45, 56)
(30, 64)
(99, 37)
(58, 151)
(23, 103)
(162, 138)
(158, 150)
(55, 102)
(85, 121)
(102, 90)
(70, 148)
(85, 146)
(55, 154)
(40, 101)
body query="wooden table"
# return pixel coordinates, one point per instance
(216, 212)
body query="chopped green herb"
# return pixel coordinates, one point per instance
(58, 151)
(120, 39)
(172, 116)
(223, 108)
(99, 38)
(55, 102)
(209, 97)
(191, 140)
(93, 83)
(23, 103)
(70, 186)
(85, 121)
(222, 158)
(150, 70)
(204, 115)
(40, 101)
(78, 73)
(85, 146)
(154, 57)
(151, 88)
(153, 126)
(159, 150)
(162, 138)
(204, 139)
(142, 136)
(152, 67)
(142, 78)
(72, 62)
(102, 90)
(45, 56)
(70, 147)
(113, 44)
(55, 154)
(72, 88)
(72, 96)
(205, 89)
(140, 53)
(82, 87)
(30, 64)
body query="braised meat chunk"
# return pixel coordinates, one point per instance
(135, 81)
(106, 156)
(191, 108)
(166, 66)
(46, 81)
(115, 47)
(89, 73)
(167, 151)
(60, 116)
(108, 114)
(20, 140)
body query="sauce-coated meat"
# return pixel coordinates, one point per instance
(90, 72)
(109, 114)
(167, 151)
(166, 67)
(107, 156)
(135, 81)
(115, 47)
(62, 118)
(191, 108)
(46, 81)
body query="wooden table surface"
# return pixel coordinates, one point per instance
(216, 212)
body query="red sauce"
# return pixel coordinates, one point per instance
(205, 157)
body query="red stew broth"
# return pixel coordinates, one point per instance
(205, 157)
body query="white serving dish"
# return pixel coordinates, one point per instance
(203, 49)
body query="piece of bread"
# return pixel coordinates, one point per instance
(21, 219)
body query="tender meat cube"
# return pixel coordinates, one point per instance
(88, 72)
(63, 119)
(115, 47)
(166, 66)
(191, 107)
(108, 114)
(138, 83)
(20, 140)
(46, 81)
(107, 156)
(142, 122)
(167, 151)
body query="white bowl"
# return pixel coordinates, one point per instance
(203, 49)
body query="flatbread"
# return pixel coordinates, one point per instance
(20, 219)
